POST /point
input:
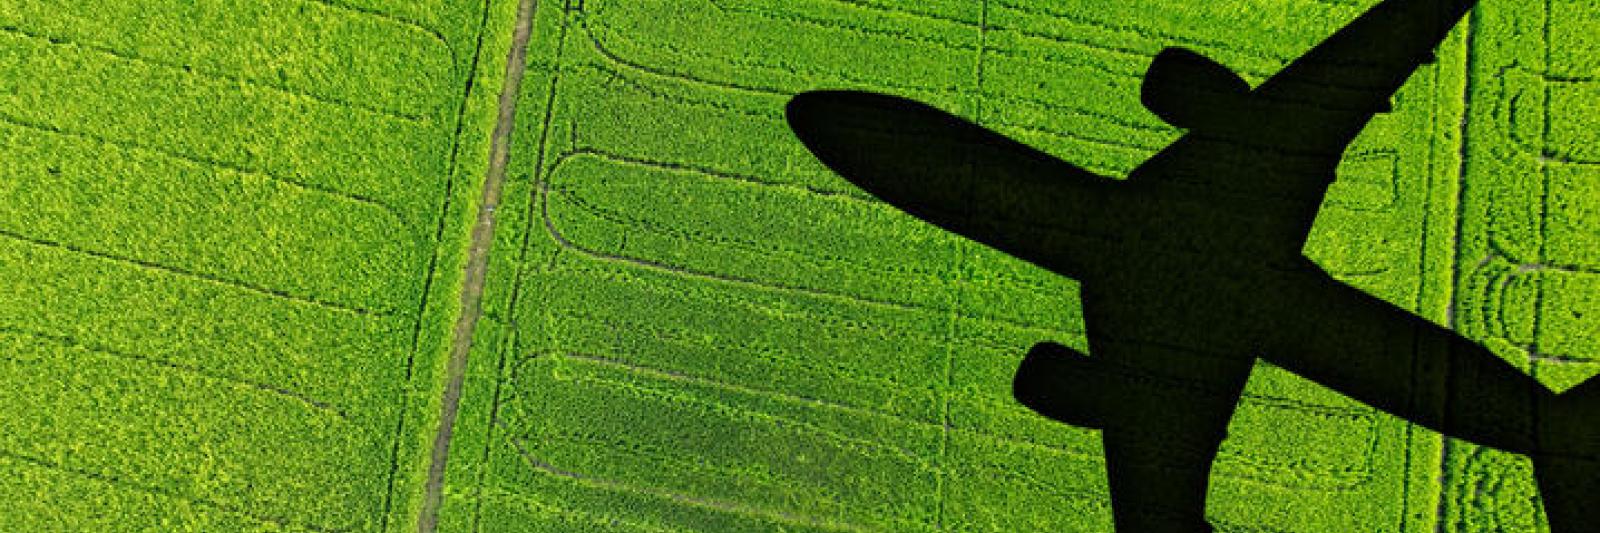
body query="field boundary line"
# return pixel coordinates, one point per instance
(452, 168)
(1452, 319)
(246, 286)
(218, 75)
(204, 373)
(477, 265)
(122, 483)
(390, 17)
(716, 505)
(204, 161)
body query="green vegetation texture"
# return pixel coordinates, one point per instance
(232, 237)
(694, 326)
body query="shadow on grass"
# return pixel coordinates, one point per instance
(1191, 268)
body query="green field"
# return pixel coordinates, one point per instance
(230, 235)
(233, 236)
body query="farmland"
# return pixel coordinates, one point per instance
(692, 325)
(233, 237)
(220, 224)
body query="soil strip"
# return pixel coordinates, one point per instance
(477, 266)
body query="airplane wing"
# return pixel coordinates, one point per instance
(1280, 142)
(957, 175)
(1339, 85)
(1378, 354)
(1391, 359)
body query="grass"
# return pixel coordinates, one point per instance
(226, 240)
(232, 240)
(698, 327)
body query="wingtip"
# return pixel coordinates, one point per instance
(1061, 384)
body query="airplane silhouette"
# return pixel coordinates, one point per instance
(1191, 268)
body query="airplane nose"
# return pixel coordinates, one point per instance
(960, 176)
(906, 153)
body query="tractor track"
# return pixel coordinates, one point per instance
(477, 266)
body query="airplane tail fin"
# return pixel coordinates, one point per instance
(1057, 382)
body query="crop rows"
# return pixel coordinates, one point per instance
(701, 325)
(217, 226)
(232, 239)
(1529, 279)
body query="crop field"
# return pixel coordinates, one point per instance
(691, 325)
(220, 223)
(235, 239)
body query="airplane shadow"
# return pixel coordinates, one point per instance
(1192, 267)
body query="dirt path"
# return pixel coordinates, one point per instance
(477, 265)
